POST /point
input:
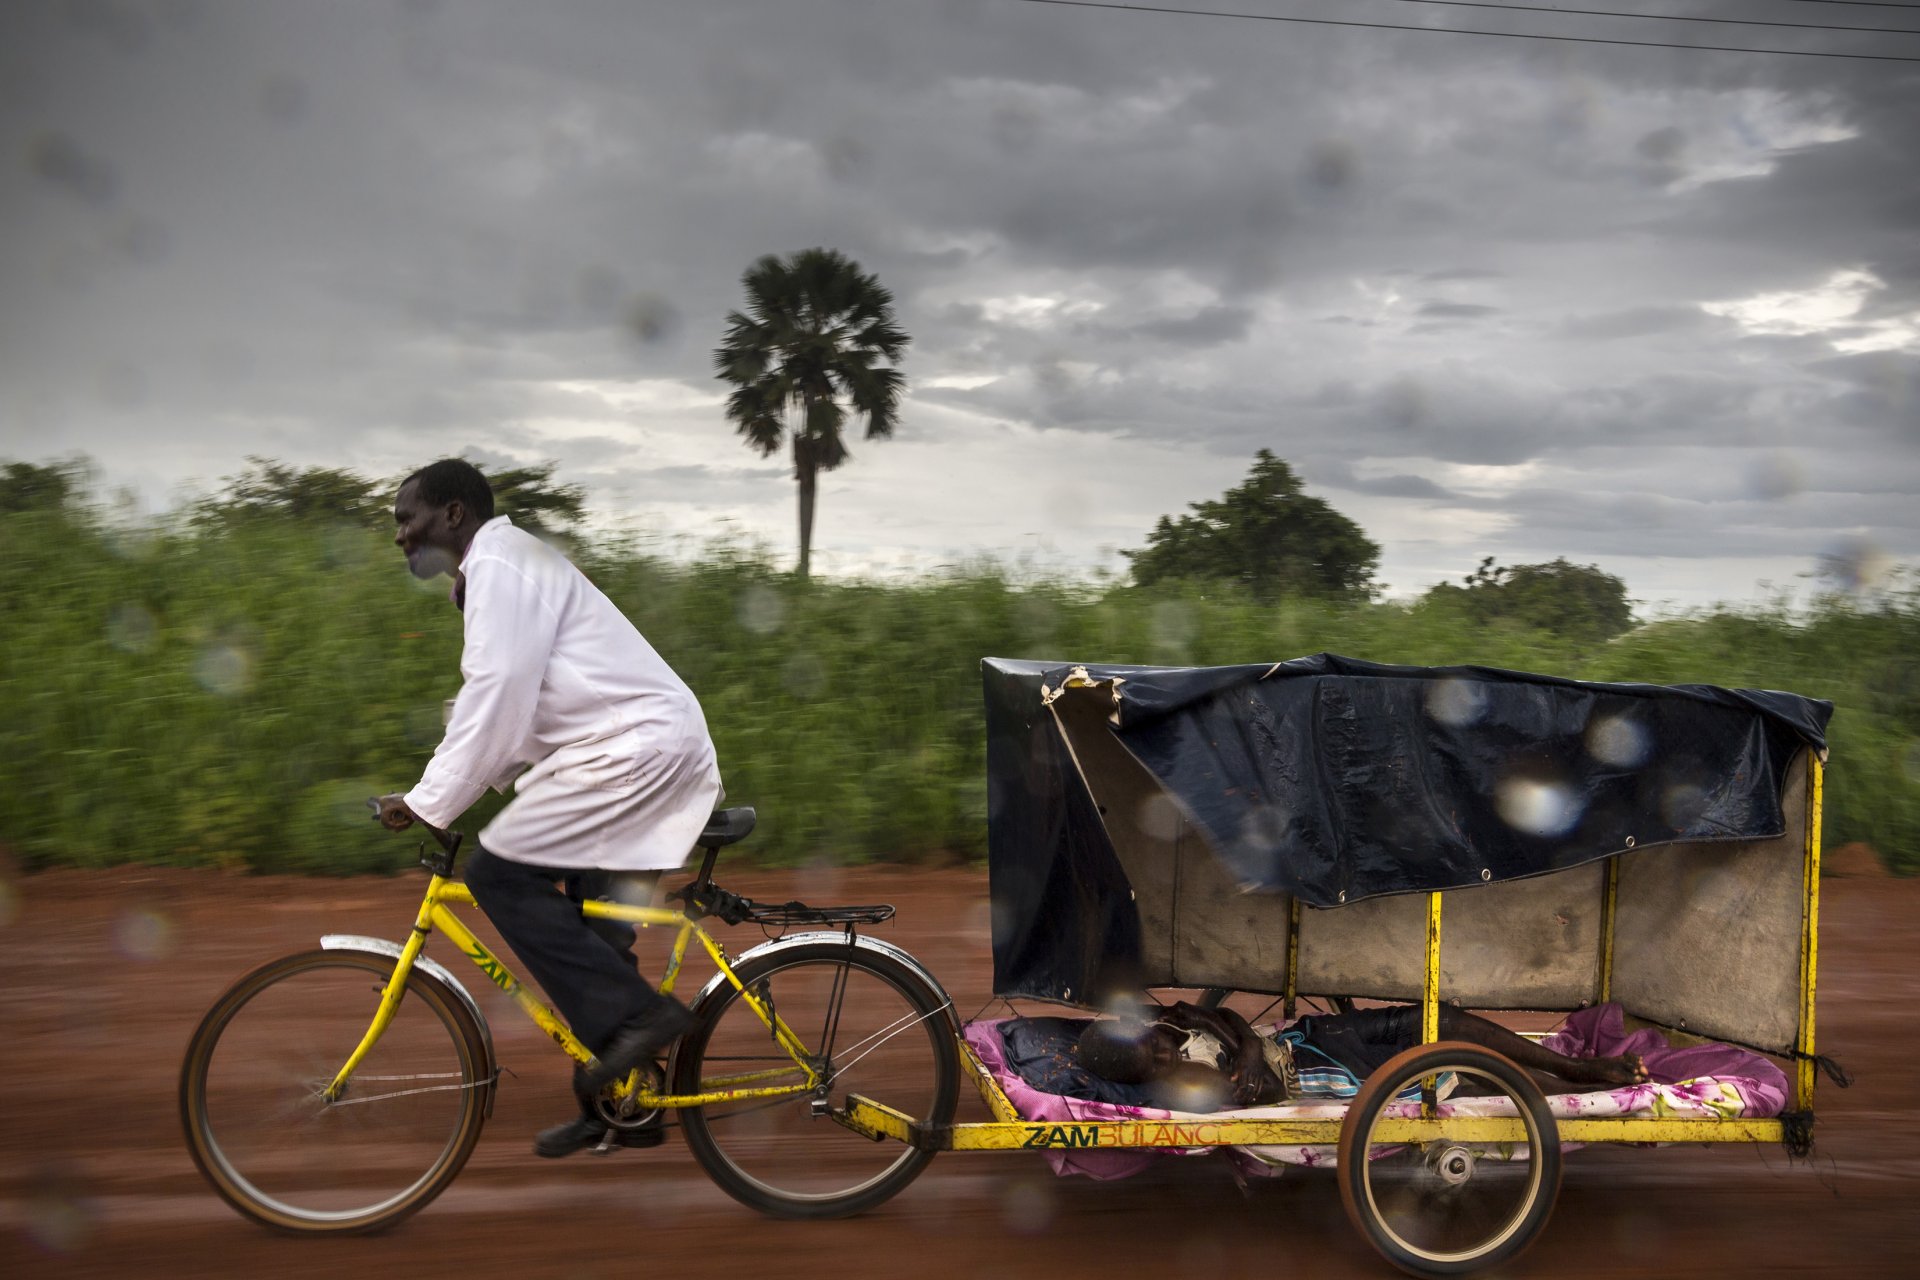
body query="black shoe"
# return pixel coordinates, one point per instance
(637, 1041)
(584, 1131)
(577, 1134)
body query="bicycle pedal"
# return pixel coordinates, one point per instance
(633, 1138)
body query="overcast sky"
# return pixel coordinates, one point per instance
(1651, 309)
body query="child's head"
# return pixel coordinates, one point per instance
(1119, 1050)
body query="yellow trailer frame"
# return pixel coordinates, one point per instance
(1007, 1131)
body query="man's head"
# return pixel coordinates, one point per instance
(436, 513)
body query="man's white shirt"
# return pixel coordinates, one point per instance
(619, 770)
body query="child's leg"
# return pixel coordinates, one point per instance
(1457, 1024)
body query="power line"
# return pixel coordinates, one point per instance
(1662, 17)
(1864, 4)
(1465, 31)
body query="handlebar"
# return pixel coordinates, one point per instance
(441, 863)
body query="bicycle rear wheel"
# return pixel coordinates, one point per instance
(872, 1028)
(261, 1131)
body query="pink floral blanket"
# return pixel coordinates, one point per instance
(1695, 1081)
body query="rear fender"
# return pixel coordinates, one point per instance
(877, 946)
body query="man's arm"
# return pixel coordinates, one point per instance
(510, 629)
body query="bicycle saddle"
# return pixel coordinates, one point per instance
(727, 826)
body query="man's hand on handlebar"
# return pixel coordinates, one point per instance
(393, 813)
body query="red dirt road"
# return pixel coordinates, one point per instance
(107, 974)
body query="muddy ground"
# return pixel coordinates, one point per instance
(106, 974)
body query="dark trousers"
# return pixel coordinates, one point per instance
(586, 966)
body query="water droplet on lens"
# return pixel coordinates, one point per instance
(804, 676)
(143, 935)
(1682, 804)
(1856, 564)
(131, 629)
(1456, 703)
(1265, 827)
(424, 726)
(1037, 618)
(651, 318)
(1199, 1094)
(1775, 476)
(1617, 741)
(1159, 816)
(1332, 164)
(761, 609)
(1170, 629)
(61, 162)
(225, 669)
(1537, 807)
(1027, 1206)
(56, 1214)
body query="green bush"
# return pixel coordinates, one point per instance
(330, 831)
(230, 695)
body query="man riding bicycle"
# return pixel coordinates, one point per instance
(612, 769)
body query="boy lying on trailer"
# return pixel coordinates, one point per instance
(1197, 1059)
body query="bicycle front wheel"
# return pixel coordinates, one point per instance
(869, 1025)
(261, 1130)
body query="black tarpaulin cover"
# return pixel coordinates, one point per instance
(1337, 780)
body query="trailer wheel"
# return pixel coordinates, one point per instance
(1446, 1207)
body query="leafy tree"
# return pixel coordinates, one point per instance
(1266, 536)
(275, 490)
(535, 502)
(813, 333)
(53, 487)
(1579, 601)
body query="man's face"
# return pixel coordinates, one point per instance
(427, 534)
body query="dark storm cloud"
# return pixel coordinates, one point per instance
(1657, 524)
(1340, 475)
(1457, 310)
(363, 232)
(705, 475)
(1636, 322)
(1205, 327)
(62, 163)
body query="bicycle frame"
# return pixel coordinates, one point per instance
(436, 913)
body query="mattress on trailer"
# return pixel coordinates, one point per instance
(1706, 1081)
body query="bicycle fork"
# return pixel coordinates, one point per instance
(390, 997)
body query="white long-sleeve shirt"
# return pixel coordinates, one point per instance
(619, 769)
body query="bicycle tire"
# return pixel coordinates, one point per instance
(279, 1154)
(889, 1040)
(1450, 1208)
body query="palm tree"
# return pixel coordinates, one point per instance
(813, 331)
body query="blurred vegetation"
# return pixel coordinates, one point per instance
(274, 491)
(228, 692)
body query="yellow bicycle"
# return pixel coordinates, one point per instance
(342, 1089)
